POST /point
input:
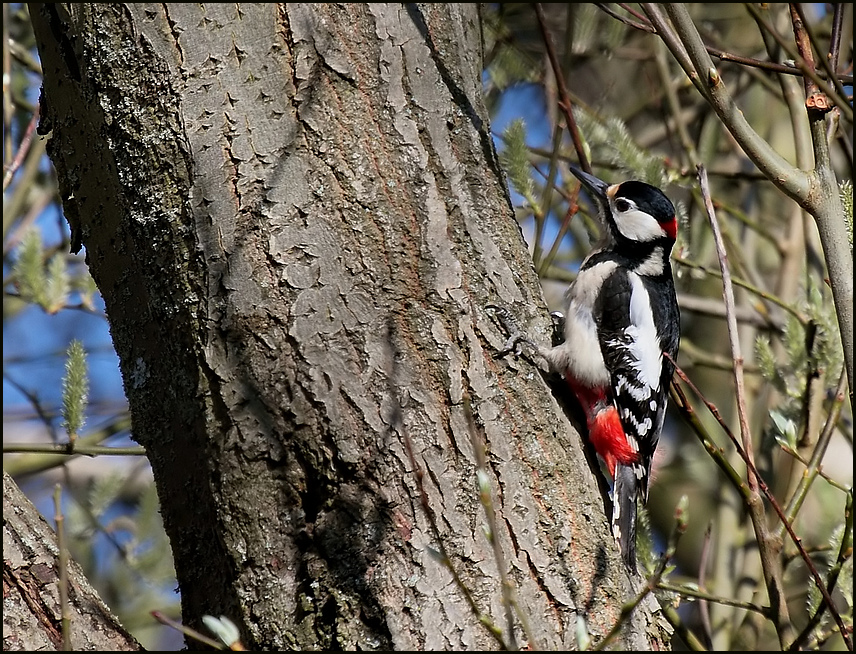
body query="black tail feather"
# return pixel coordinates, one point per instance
(624, 495)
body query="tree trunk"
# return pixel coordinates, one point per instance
(296, 217)
(32, 611)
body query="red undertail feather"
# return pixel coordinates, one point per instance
(608, 438)
(606, 433)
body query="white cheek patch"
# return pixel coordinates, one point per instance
(638, 225)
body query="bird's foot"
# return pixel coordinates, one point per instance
(516, 337)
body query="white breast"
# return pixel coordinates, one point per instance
(580, 354)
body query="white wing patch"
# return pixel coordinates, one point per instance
(644, 342)
(633, 443)
(636, 382)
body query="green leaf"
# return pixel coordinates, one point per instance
(611, 141)
(767, 360)
(587, 27)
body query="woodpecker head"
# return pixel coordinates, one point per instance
(634, 212)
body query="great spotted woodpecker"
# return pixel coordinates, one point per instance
(622, 315)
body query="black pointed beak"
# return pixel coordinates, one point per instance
(596, 186)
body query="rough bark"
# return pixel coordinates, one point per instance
(32, 613)
(296, 218)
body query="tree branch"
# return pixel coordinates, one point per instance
(816, 191)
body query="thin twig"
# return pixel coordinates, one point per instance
(53, 455)
(187, 631)
(835, 38)
(771, 66)
(674, 619)
(813, 465)
(674, 103)
(692, 419)
(703, 606)
(41, 412)
(767, 549)
(397, 423)
(713, 307)
(692, 55)
(543, 263)
(701, 596)
(741, 487)
(656, 577)
(749, 287)
(65, 611)
(645, 26)
(564, 98)
(805, 67)
(730, 320)
(72, 449)
(8, 108)
(639, 25)
(845, 551)
(23, 149)
(809, 475)
(508, 596)
(825, 62)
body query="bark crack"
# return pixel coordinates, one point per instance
(176, 38)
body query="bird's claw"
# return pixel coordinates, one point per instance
(514, 345)
(516, 338)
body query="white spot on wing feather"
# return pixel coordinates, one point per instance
(641, 428)
(638, 392)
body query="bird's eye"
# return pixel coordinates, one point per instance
(622, 205)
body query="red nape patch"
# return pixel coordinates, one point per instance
(671, 228)
(607, 436)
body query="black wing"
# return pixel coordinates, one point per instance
(632, 350)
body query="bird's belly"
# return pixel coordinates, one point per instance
(585, 361)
